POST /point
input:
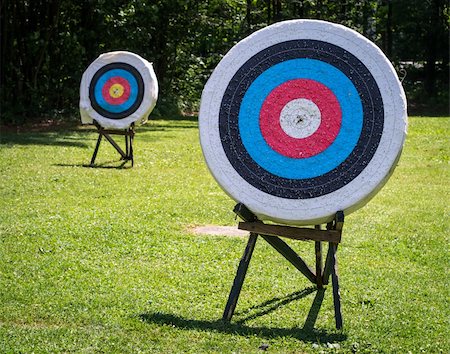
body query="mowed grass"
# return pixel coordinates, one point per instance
(101, 260)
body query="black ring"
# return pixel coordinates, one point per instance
(136, 104)
(344, 173)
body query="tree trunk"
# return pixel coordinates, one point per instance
(277, 10)
(50, 17)
(431, 49)
(389, 30)
(248, 16)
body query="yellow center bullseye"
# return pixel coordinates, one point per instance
(116, 90)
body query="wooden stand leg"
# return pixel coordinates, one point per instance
(94, 156)
(336, 290)
(318, 249)
(130, 152)
(288, 253)
(239, 279)
(328, 265)
(114, 144)
(331, 269)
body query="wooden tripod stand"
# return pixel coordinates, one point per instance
(129, 136)
(271, 234)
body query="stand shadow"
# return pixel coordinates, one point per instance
(105, 165)
(273, 304)
(307, 333)
(124, 165)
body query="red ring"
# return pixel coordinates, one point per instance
(322, 138)
(116, 100)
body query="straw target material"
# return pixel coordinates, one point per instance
(118, 89)
(302, 119)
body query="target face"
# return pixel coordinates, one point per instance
(116, 90)
(302, 119)
(119, 88)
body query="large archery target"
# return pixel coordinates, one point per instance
(118, 89)
(302, 119)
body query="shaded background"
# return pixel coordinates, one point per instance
(47, 44)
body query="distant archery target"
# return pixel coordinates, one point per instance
(118, 89)
(302, 119)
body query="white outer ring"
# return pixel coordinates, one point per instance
(351, 196)
(88, 114)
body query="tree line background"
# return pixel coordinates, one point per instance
(47, 44)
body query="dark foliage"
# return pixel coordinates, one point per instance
(47, 44)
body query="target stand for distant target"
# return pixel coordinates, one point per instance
(301, 123)
(128, 133)
(118, 91)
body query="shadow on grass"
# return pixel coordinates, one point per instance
(166, 126)
(63, 135)
(273, 304)
(118, 165)
(307, 333)
(49, 139)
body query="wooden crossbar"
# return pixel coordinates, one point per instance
(291, 232)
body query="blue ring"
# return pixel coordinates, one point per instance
(119, 107)
(336, 153)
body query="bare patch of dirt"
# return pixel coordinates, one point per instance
(218, 230)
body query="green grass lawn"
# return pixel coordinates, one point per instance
(101, 259)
